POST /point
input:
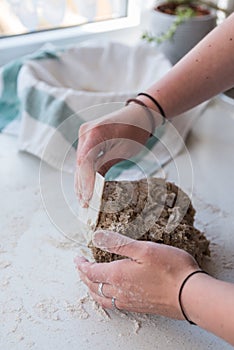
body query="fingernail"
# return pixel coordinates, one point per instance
(79, 189)
(86, 196)
(100, 238)
(79, 260)
(85, 191)
(83, 203)
(79, 196)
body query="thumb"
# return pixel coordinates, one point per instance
(114, 242)
(85, 171)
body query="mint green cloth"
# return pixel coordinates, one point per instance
(10, 105)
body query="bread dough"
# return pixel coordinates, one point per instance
(153, 210)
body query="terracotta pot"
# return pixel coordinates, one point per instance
(187, 35)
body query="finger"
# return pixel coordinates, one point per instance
(121, 305)
(85, 177)
(107, 289)
(105, 303)
(95, 272)
(86, 180)
(115, 243)
(86, 168)
(111, 273)
(76, 185)
(83, 185)
(80, 260)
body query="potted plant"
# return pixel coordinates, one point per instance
(176, 26)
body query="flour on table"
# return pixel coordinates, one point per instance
(4, 264)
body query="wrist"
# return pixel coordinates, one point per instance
(192, 295)
(151, 102)
(155, 118)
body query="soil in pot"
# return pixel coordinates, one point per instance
(171, 9)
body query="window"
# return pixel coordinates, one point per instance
(27, 16)
(70, 24)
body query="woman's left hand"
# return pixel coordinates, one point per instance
(147, 281)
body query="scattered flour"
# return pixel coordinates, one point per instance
(4, 264)
(55, 311)
(78, 309)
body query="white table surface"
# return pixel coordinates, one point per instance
(43, 305)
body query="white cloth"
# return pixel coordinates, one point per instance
(55, 91)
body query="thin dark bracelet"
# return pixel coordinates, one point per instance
(149, 113)
(180, 293)
(154, 101)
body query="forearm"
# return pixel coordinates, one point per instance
(210, 304)
(205, 71)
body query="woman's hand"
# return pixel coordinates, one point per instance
(108, 140)
(147, 281)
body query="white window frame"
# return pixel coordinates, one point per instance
(16, 46)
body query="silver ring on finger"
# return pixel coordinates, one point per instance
(100, 290)
(115, 308)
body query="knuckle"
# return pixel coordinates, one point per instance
(118, 248)
(101, 301)
(82, 277)
(92, 287)
(95, 272)
(104, 304)
(148, 249)
(122, 300)
(116, 279)
(83, 128)
(80, 159)
(121, 304)
(89, 274)
(88, 129)
(85, 157)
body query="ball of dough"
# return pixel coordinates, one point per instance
(150, 210)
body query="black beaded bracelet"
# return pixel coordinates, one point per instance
(154, 101)
(180, 293)
(149, 113)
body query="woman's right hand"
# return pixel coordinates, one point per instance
(108, 140)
